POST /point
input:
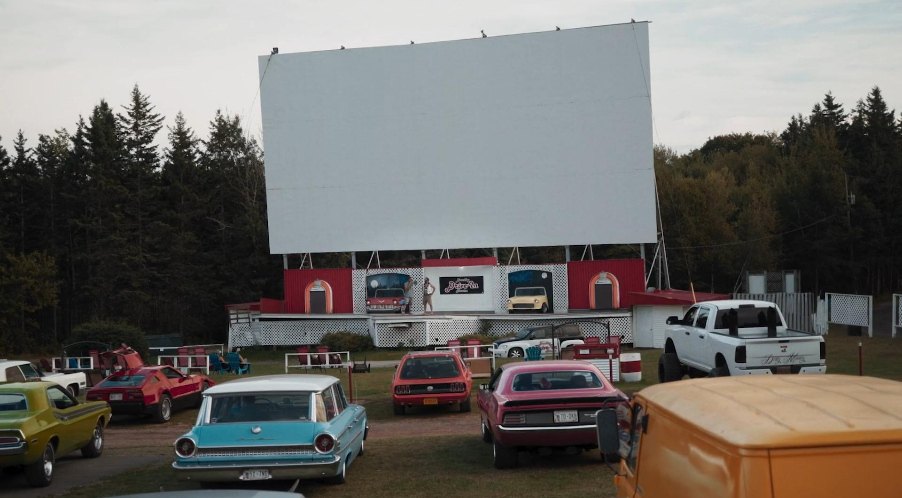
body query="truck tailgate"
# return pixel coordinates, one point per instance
(783, 352)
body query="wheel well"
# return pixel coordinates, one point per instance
(55, 442)
(668, 347)
(74, 389)
(720, 361)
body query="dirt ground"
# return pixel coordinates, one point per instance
(133, 444)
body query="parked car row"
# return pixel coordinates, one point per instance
(297, 426)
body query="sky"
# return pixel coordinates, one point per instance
(717, 66)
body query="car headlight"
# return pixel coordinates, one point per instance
(185, 447)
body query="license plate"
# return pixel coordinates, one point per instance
(116, 397)
(255, 475)
(565, 416)
(430, 401)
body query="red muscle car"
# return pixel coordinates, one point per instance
(431, 378)
(544, 404)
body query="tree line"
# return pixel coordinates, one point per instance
(101, 225)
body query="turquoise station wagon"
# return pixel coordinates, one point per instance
(273, 427)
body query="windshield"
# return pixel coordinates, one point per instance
(29, 371)
(524, 333)
(258, 407)
(560, 379)
(122, 381)
(13, 402)
(392, 292)
(530, 291)
(430, 367)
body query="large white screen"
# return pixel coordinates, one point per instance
(524, 140)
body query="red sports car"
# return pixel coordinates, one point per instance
(528, 406)
(431, 378)
(389, 300)
(138, 389)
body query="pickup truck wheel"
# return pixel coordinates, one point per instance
(40, 473)
(721, 371)
(669, 368)
(504, 457)
(515, 353)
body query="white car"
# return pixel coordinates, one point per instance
(20, 371)
(564, 335)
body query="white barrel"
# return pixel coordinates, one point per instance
(631, 367)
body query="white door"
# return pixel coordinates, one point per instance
(643, 327)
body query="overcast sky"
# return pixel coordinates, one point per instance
(717, 66)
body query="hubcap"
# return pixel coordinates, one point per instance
(48, 464)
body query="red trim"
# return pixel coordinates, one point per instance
(325, 285)
(485, 261)
(615, 289)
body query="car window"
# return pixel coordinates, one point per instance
(122, 381)
(340, 397)
(540, 333)
(429, 367)
(689, 318)
(13, 374)
(172, 373)
(701, 320)
(13, 402)
(260, 407)
(529, 291)
(329, 405)
(30, 372)
(636, 423)
(60, 398)
(562, 379)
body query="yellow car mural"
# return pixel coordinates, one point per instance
(528, 299)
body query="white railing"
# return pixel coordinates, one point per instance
(476, 356)
(209, 348)
(186, 362)
(851, 309)
(72, 363)
(316, 359)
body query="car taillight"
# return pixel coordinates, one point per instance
(458, 387)
(136, 395)
(324, 443)
(740, 354)
(402, 389)
(185, 447)
(514, 418)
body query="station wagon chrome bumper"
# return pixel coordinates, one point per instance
(232, 471)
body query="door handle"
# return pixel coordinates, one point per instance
(687, 332)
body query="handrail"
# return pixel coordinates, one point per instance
(192, 364)
(310, 364)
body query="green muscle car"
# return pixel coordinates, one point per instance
(40, 421)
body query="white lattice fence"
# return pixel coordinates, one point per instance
(425, 332)
(621, 325)
(291, 332)
(851, 309)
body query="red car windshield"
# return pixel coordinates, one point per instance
(563, 379)
(122, 381)
(430, 367)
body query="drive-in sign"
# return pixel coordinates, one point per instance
(460, 285)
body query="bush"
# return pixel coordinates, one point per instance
(109, 332)
(347, 341)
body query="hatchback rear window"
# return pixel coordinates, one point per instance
(563, 379)
(123, 381)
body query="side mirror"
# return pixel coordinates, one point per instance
(671, 320)
(606, 431)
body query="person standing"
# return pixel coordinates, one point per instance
(407, 288)
(428, 291)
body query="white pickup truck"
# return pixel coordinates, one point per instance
(737, 337)
(21, 371)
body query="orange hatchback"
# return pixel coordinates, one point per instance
(431, 378)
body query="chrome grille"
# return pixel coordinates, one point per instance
(256, 451)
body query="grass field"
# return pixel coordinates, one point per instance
(461, 465)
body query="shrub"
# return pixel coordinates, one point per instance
(347, 341)
(113, 333)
